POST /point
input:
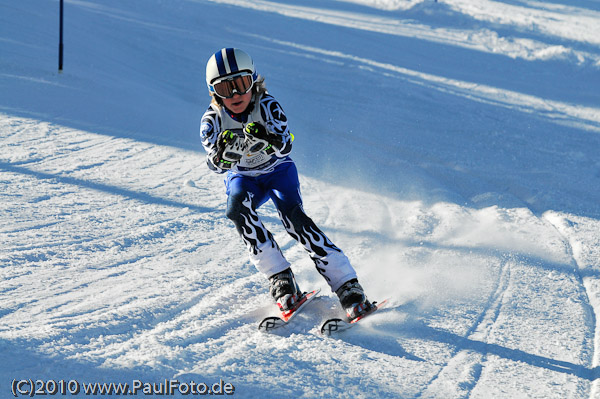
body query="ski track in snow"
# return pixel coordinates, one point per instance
(460, 374)
(585, 257)
(118, 262)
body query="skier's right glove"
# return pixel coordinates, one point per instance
(230, 149)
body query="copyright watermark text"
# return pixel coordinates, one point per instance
(30, 388)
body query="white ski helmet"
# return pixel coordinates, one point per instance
(228, 62)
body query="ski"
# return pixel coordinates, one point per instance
(336, 325)
(272, 322)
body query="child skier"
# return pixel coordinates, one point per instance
(245, 134)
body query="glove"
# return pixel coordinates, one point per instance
(259, 139)
(230, 149)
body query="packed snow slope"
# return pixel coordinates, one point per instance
(450, 148)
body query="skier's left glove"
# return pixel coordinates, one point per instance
(231, 148)
(259, 139)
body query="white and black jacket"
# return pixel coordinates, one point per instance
(263, 109)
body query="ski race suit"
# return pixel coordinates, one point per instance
(258, 177)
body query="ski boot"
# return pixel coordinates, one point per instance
(285, 291)
(353, 299)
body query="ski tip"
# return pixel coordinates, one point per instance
(273, 322)
(270, 323)
(331, 326)
(382, 303)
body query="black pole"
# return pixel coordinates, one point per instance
(60, 40)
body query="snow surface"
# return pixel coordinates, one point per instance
(450, 148)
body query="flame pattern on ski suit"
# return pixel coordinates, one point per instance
(264, 252)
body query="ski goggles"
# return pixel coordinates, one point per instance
(240, 84)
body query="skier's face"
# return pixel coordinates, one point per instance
(238, 103)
